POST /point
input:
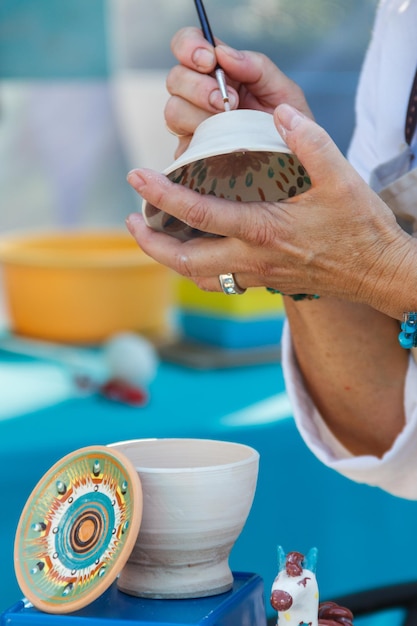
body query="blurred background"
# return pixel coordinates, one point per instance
(82, 94)
(82, 90)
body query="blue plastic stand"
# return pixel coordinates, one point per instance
(244, 604)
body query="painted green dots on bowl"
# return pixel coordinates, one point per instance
(249, 179)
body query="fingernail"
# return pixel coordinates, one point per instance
(136, 180)
(231, 52)
(216, 99)
(289, 117)
(203, 59)
(132, 220)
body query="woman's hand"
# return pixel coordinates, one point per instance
(337, 239)
(254, 82)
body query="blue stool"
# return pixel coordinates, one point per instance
(243, 604)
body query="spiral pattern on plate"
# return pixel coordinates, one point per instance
(74, 533)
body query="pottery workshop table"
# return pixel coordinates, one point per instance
(363, 535)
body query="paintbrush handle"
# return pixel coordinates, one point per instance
(208, 34)
(205, 25)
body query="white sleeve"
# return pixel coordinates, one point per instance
(395, 472)
(363, 151)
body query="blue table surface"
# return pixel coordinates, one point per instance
(182, 400)
(365, 537)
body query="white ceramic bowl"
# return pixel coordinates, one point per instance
(237, 155)
(197, 494)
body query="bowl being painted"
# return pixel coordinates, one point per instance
(197, 496)
(236, 155)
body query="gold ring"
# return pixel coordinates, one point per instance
(229, 285)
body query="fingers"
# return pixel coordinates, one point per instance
(190, 85)
(242, 220)
(265, 85)
(199, 89)
(183, 143)
(317, 152)
(174, 254)
(192, 50)
(195, 94)
(201, 260)
(163, 248)
(182, 117)
(185, 110)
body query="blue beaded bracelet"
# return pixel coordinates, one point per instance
(296, 296)
(408, 334)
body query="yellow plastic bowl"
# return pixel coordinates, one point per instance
(81, 287)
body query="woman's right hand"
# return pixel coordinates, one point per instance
(254, 82)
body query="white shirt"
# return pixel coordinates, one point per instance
(387, 76)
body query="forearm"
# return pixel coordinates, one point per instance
(353, 368)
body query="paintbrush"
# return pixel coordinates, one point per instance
(207, 32)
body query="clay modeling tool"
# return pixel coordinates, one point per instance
(208, 34)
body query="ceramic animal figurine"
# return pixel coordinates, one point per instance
(295, 594)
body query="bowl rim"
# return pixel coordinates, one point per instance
(268, 139)
(253, 455)
(13, 250)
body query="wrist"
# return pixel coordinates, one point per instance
(390, 285)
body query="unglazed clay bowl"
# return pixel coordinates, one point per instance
(197, 494)
(237, 155)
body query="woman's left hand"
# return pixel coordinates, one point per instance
(337, 239)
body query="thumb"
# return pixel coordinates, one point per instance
(310, 143)
(264, 81)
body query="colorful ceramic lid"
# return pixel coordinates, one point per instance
(78, 529)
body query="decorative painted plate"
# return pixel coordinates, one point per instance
(78, 529)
